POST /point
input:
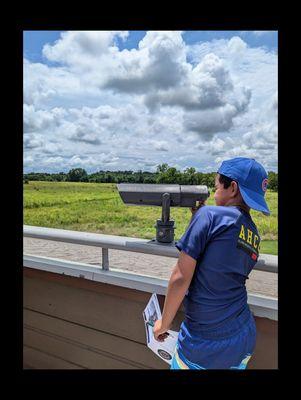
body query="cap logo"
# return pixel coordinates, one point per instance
(264, 184)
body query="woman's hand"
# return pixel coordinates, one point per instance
(160, 332)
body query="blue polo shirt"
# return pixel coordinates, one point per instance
(224, 241)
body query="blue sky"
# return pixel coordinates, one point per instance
(35, 40)
(135, 99)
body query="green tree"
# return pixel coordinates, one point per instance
(171, 175)
(273, 181)
(76, 175)
(140, 177)
(110, 178)
(60, 177)
(208, 179)
(162, 168)
(200, 178)
(189, 177)
(150, 179)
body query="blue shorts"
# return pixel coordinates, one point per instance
(228, 347)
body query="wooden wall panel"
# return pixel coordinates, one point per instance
(99, 311)
(95, 325)
(75, 353)
(36, 359)
(266, 350)
(108, 345)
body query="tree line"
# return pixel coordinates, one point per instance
(163, 174)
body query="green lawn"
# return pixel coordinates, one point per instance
(269, 247)
(97, 207)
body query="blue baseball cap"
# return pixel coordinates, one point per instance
(252, 181)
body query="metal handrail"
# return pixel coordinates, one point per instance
(260, 305)
(266, 262)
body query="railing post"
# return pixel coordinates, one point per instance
(105, 259)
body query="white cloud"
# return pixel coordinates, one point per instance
(39, 120)
(210, 121)
(52, 148)
(160, 145)
(158, 70)
(96, 161)
(217, 146)
(77, 48)
(256, 33)
(31, 141)
(204, 87)
(253, 67)
(158, 63)
(28, 160)
(50, 161)
(140, 107)
(81, 135)
(236, 45)
(262, 33)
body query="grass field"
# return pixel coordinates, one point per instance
(97, 207)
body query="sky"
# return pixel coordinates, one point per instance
(131, 100)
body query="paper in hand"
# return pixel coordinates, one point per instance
(165, 350)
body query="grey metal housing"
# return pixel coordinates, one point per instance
(152, 194)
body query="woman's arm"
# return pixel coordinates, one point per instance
(177, 286)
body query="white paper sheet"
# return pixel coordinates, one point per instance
(165, 350)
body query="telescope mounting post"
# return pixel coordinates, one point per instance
(165, 227)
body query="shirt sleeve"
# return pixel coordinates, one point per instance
(194, 240)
